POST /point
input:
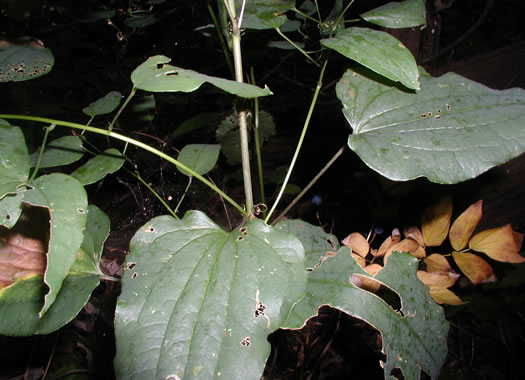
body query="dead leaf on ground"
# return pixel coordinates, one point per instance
(474, 267)
(435, 222)
(464, 226)
(500, 244)
(435, 279)
(445, 296)
(357, 243)
(437, 263)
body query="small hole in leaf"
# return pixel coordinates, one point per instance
(449, 107)
(134, 275)
(150, 229)
(437, 117)
(130, 265)
(429, 113)
(8, 217)
(240, 238)
(422, 115)
(160, 65)
(244, 231)
(246, 342)
(81, 210)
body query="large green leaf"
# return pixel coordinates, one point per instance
(198, 302)
(24, 62)
(14, 158)
(452, 130)
(414, 337)
(66, 200)
(99, 166)
(395, 15)
(156, 75)
(378, 51)
(21, 302)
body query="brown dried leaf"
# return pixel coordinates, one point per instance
(464, 226)
(474, 267)
(389, 242)
(499, 244)
(435, 222)
(367, 283)
(408, 245)
(360, 260)
(415, 234)
(433, 280)
(357, 243)
(437, 263)
(445, 296)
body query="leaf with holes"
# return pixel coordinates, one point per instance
(24, 62)
(66, 200)
(197, 300)
(405, 14)
(419, 319)
(21, 301)
(452, 130)
(378, 51)
(156, 75)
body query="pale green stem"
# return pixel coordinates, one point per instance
(258, 145)
(301, 139)
(130, 96)
(133, 142)
(312, 182)
(41, 153)
(343, 12)
(184, 194)
(298, 11)
(223, 43)
(297, 47)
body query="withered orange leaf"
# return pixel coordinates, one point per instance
(367, 283)
(445, 296)
(464, 226)
(389, 242)
(408, 245)
(474, 267)
(415, 234)
(360, 260)
(437, 263)
(357, 243)
(499, 244)
(435, 222)
(435, 279)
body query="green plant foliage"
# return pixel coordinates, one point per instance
(62, 151)
(404, 14)
(199, 157)
(452, 130)
(378, 51)
(14, 160)
(414, 337)
(197, 301)
(21, 302)
(315, 241)
(24, 62)
(194, 123)
(99, 166)
(259, 14)
(107, 104)
(156, 75)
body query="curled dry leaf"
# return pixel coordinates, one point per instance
(500, 244)
(360, 260)
(389, 242)
(357, 243)
(367, 283)
(415, 234)
(474, 267)
(435, 222)
(445, 296)
(433, 280)
(464, 226)
(437, 263)
(407, 245)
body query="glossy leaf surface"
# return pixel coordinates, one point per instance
(452, 130)
(420, 319)
(404, 14)
(197, 301)
(378, 51)
(156, 75)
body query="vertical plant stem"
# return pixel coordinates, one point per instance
(41, 153)
(184, 194)
(301, 139)
(130, 96)
(258, 145)
(224, 44)
(243, 126)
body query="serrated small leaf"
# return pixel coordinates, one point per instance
(24, 62)
(465, 224)
(445, 296)
(498, 243)
(107, 104)
(156, 75)
(435, 222)
(99, 166)
(474, 267)
(357, 243)
(404, 14)
(66, 200)
(422, 319)
(378, 51)
(452, 130)
(199, 157)
(198, 300)
(62, 151)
